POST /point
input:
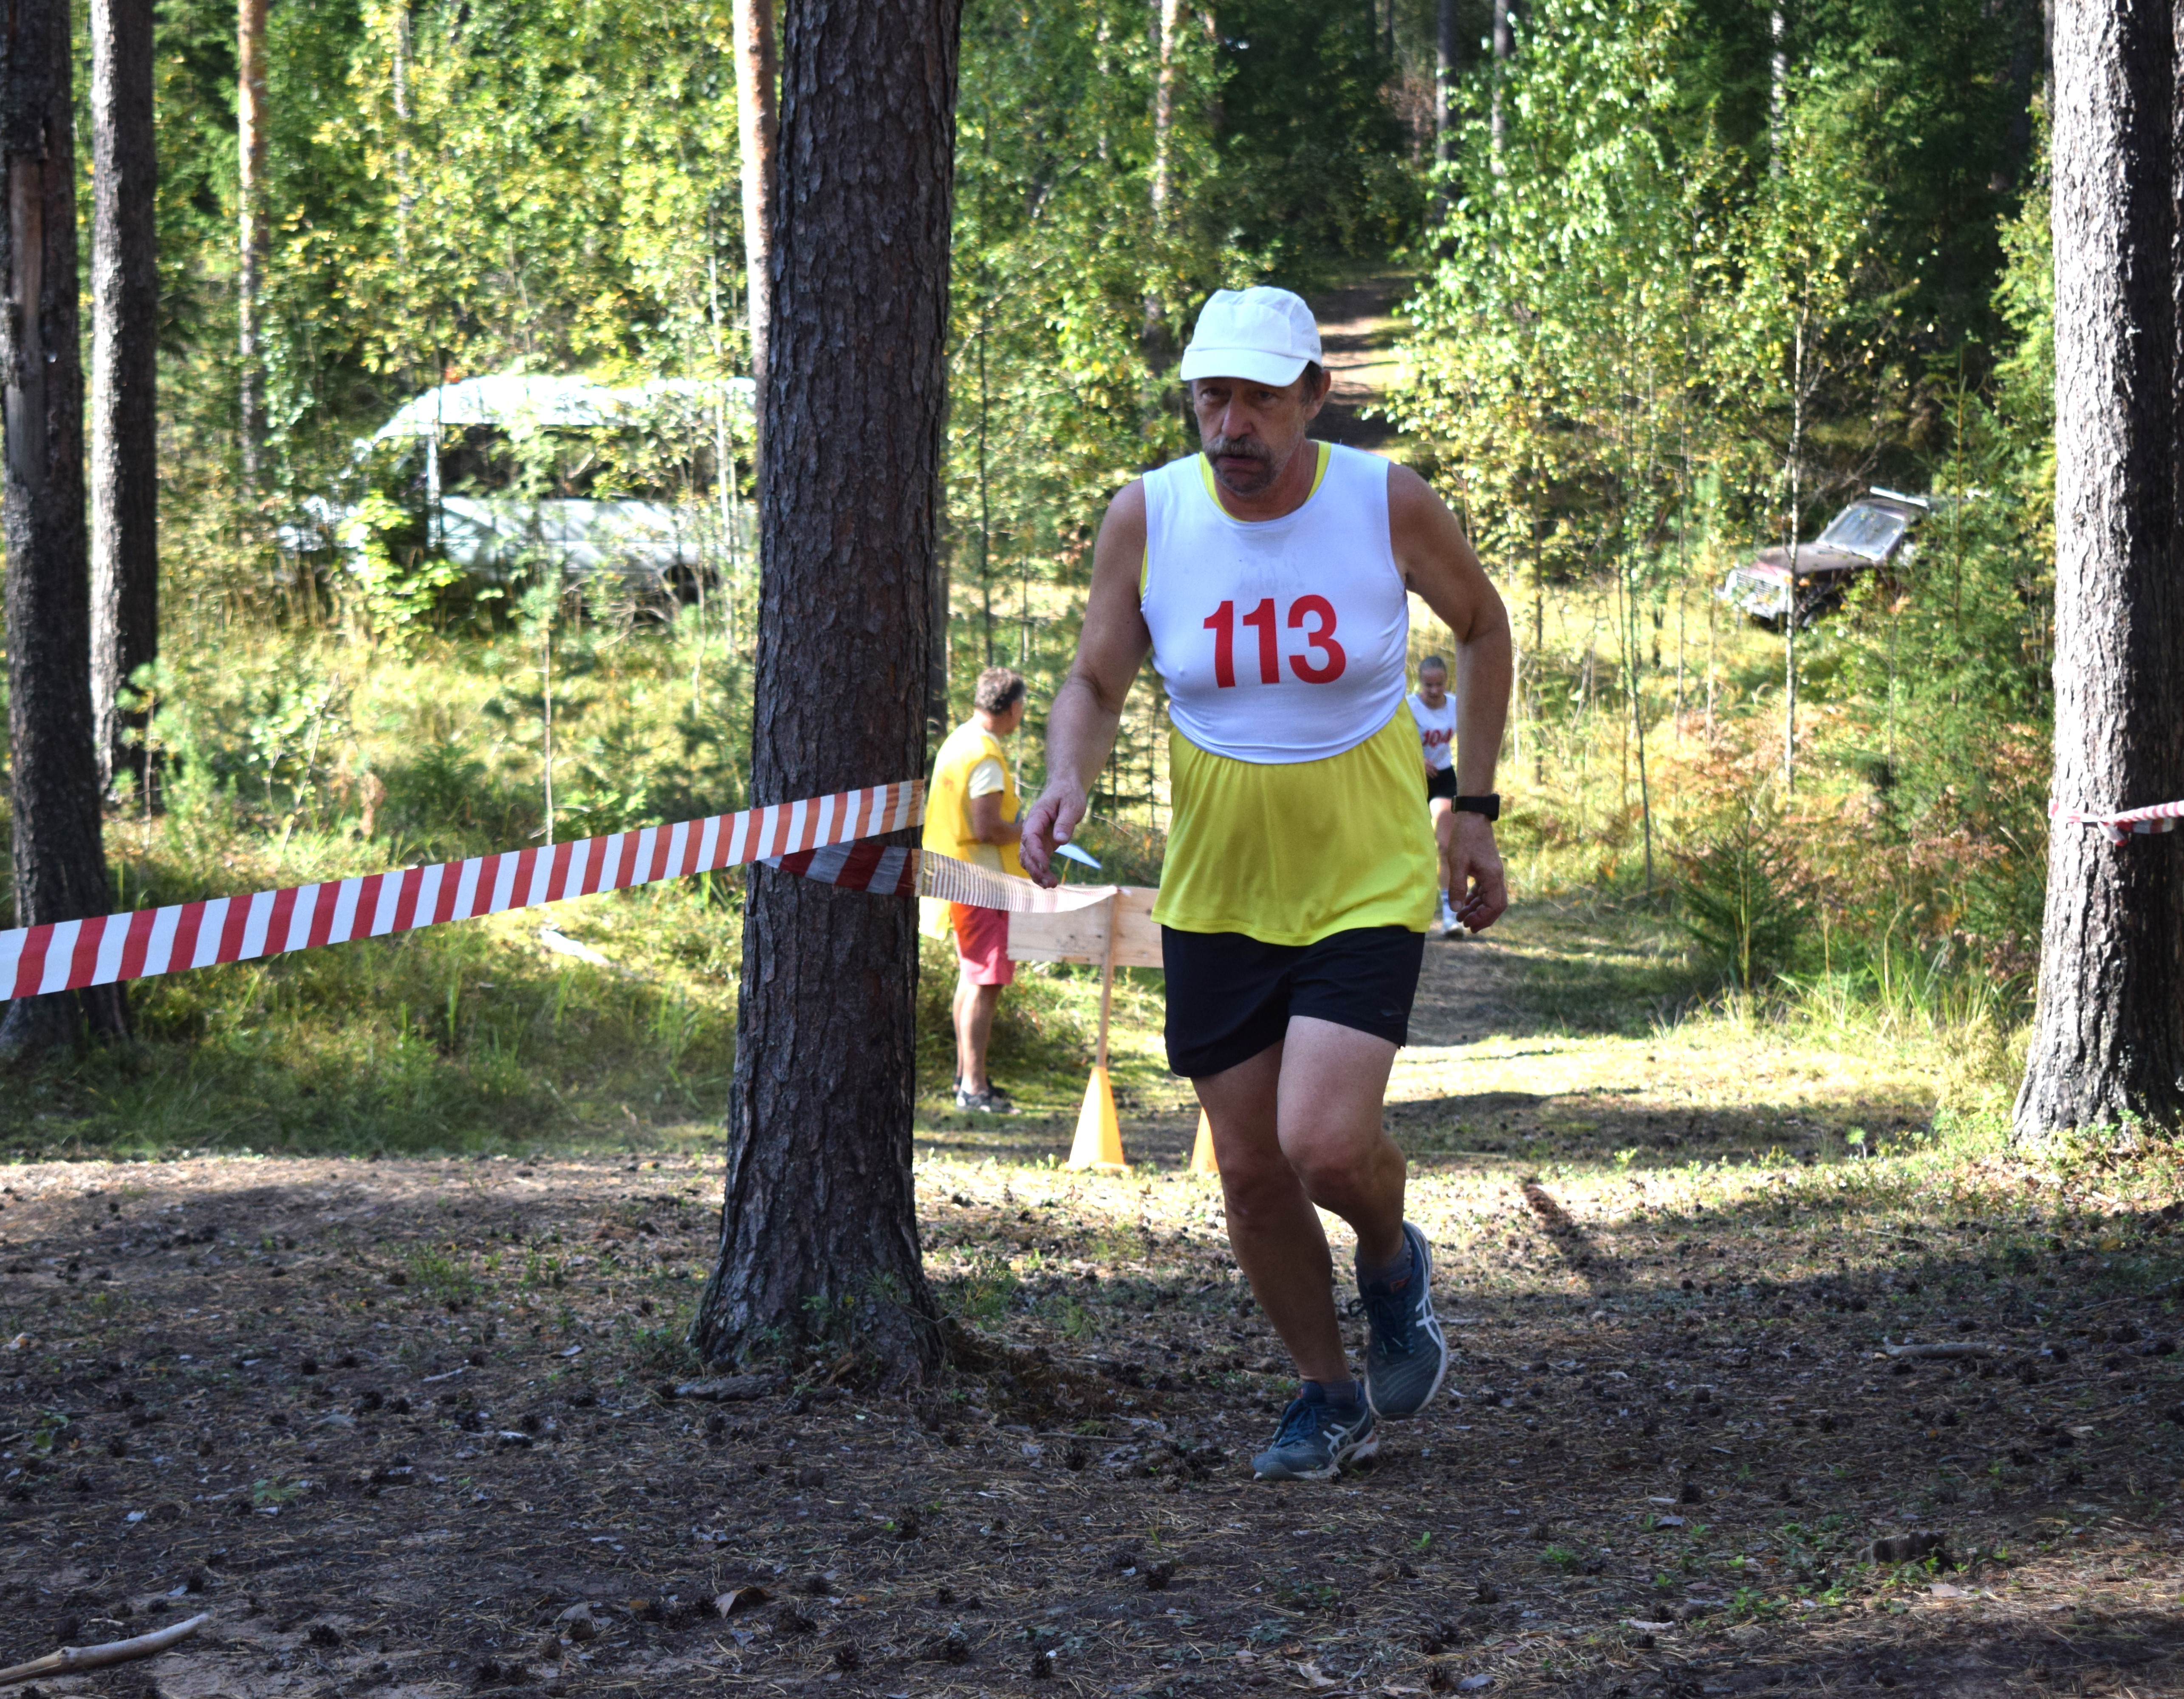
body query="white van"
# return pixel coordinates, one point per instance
(521, 470)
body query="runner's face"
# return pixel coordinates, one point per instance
(1249, 432)
(1433, 688)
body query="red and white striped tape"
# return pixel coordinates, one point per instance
(892, 871)
(66, 955)
(2160, 817)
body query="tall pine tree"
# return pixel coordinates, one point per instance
(2108, 1038)
(819, 1231)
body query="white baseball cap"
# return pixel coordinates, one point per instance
(1261, 335)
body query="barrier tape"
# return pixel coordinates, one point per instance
(951, 881)
(2160, 817)
(897, 871)
(67, 955)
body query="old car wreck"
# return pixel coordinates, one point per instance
(1873, 534)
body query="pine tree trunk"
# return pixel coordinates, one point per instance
(59, 866)
(757, 133)
(2109, 1037)
(125, 291)
(819, 1230)
(250, 213)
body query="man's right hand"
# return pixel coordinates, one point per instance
(1053, 819)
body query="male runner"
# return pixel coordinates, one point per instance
(1435, 716)
(1267, 577)
(971, 813)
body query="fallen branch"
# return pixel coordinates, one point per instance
(1947, 1348)
(730, 1389)
(70, 1658)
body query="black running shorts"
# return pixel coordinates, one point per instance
(1442, 783)
(1230, 996)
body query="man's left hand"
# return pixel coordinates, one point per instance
(1475, 884)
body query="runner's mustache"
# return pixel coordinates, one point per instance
(1243, 446)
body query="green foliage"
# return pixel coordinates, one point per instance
(1740, 895)
(1312, 152)
(396, 582)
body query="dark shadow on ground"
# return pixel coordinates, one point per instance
(1496, 1129)
(1160, 1141)
(1940, 1653)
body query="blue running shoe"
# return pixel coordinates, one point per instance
(1316, 1439)
(1405, 1355)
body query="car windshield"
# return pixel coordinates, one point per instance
(566, 465)
(1862, 529)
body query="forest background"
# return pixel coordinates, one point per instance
(1680, 276)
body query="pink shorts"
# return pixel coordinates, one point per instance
(982, 944)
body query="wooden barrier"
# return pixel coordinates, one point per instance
(1118, 932)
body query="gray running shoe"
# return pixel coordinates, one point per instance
(1405, 1355)
(990, 1101)
(1315, 1440)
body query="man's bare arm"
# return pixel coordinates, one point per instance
(987, 825)
(1080, 727)
(1437, 560)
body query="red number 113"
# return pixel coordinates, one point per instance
(1223, 623)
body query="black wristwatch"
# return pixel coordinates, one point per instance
(1489, 805)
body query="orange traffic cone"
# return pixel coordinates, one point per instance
(1099, 1143)
(1202, 1154)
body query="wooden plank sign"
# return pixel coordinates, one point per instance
(1081, 934)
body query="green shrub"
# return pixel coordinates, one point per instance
(1741, 897)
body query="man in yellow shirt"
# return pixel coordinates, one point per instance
(971, 813)
(1268, 579)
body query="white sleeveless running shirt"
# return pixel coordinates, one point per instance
(1436, 730)
(1279, 640)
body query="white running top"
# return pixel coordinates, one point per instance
(1436, 730)
(1279, 640)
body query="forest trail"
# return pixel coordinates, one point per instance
(1358, 329)
(414, 1427)
(1561, 1035)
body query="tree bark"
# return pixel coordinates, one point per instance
(757, 134)
(405, 193)
(819, 1230)
(2108, 1037)
(1778, 84)
(1504, 49)
(250, 213)
(1153, 337)
(1448, 65)
(125, 294)
(59, 866)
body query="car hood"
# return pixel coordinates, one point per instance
(1812, 561)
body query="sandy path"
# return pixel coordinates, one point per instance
(1358, 329)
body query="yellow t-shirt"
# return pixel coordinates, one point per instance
(1290, 852)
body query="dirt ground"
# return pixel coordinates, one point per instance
(399, 1426)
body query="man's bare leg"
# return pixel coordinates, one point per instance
(973, 1007)
(1298, 1125)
